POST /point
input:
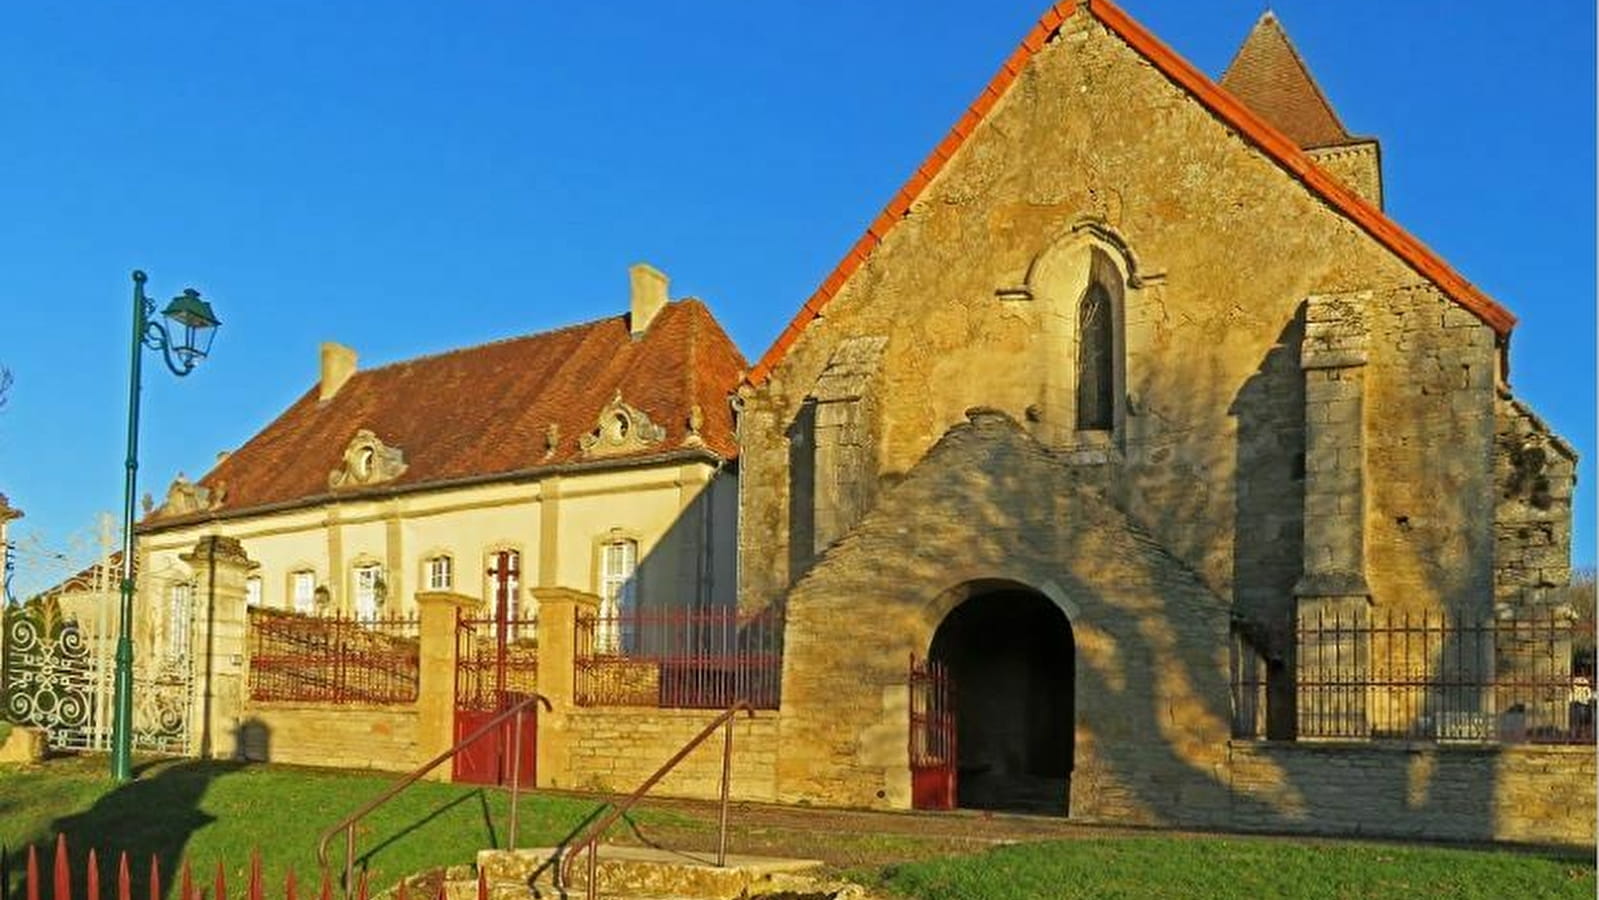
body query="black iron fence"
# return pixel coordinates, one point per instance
(1423, 676)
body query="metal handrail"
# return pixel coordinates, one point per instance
(347, 824)
(591, 838)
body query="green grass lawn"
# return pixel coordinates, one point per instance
(209, 812)
(1179, 867)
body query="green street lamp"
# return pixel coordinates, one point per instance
(184, 339)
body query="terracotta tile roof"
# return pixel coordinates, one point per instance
(484, 411)
(1279, 147)
(1271, 78)
(91, 578)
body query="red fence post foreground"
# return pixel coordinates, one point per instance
(61, 880)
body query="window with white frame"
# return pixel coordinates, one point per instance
(180, 596)
(369, 589)
(618, 592)
(252, 590)
(441, 573)
(509, 564)
(302, 591)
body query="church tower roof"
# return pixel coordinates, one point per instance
(1271, 78)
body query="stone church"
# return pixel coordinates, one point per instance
(1052, 485)
(1132, 374)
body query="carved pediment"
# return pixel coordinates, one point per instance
(621, 429)
(185, 497)
(367, 460)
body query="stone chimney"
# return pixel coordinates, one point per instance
(649, 296)
(338, 364)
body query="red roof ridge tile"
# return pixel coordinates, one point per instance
(510, 339)
(1229, 109)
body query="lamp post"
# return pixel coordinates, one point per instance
(183, 340)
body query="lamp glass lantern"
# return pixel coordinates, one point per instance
(195, 326)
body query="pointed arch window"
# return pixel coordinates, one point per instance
(1095, 361)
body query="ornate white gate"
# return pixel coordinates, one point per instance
(57, 674)
(50, 677)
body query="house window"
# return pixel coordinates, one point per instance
(369, 589)
(441, 573)
(618, 594)
(252, 590)
(506, 566)
(302, 591)
(1095, 363)
(179, 597)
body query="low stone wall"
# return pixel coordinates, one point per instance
(616, 748)
(327, 734)
(1526, 793)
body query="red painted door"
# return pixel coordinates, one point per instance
(478, 762)
(494, 657)
(488, 760)
(932, 735)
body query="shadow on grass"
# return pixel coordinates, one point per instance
(150, 819)
(364, 858)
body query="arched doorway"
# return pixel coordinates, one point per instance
(1010, 653)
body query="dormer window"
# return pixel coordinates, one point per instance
(367, 460)
(620, 428)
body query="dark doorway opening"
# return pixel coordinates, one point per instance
(1010, 653)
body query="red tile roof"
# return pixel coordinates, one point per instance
(1271, 78)
(1279, 147)
(481, 412)
(99, 575)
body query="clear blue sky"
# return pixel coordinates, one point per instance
(407, 177)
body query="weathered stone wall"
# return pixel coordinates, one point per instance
(1152, 711)
(616, 748)
(1532, 794)
(1535, 473)
(1429, 448)
(328, 734)
(1225, 248)
(1358, 165)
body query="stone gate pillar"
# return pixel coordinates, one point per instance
(559, 609)
(435, 693)
(1332, 599)
(217, 646)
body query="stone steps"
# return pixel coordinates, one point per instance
(646, 873)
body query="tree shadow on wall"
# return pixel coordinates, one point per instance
(1269, 519)
(990, 508)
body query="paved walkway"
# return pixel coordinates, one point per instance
(848, 837)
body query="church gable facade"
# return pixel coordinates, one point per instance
(1236, 359)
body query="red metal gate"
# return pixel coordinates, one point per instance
(932, 735)
(496, 665)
